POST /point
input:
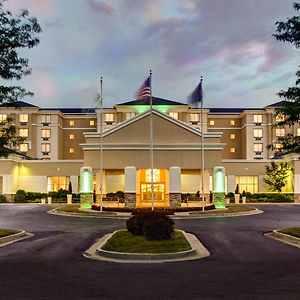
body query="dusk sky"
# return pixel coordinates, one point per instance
(229, 42)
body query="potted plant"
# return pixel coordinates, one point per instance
(69, 195)
(237, 195)
(244, 197)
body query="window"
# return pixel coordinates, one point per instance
(195, 118)
(45, 148)
(156, 175)
(23, 118)
(279, 118)
(57, 182)
(46, 134)
(298, 131)
(92, 122)
(72, 122)
(258, 133)
(3, 118)
(257, 119)
(23, 147)
(129, 115)
(109, 118)
(71, 136)
(232, 136)
(278, 146)
(258, 147)
(232, 150)
(280, 132)
(46, 119)
(173, 115)
(23, 132)
(232, 122)
(212, 122)
(71, 150)
(247, 183)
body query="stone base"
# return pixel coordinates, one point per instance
(130, 200)
(175, 200)
(219, 200)
(86, 200)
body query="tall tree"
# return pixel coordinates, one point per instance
(16, 32)
(289, 31)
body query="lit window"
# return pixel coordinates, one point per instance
(23, 147)
(232, 150)
(298, 131)
(258, 133)
(46, 119)
(173, 114)
(71, 136)
(109, 118)
(195, 118)
(23, 118)
(55, 183)
(71, 150)
(46, 133)
(232, 136)
(247, 183)
(258, 147)
(92, 122)
(156, 175)
(280, 132)
(279, 118)
(23, 132)
(212, 122)
(3, 118)
(129, 115)
(278, 146)
(232, 122)
(45, 147)
(72, 122)
(257, 118)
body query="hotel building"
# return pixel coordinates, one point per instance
(59, 141)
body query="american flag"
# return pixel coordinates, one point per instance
(144, 92)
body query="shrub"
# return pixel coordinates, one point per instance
(158, 229)
(2, 199)
(135, 224)
(20, 197)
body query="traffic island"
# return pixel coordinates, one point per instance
(194, 251)
(290, 236)
(9, 236)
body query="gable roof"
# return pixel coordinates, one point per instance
(18, 104)
(278, 104)
(155, 101)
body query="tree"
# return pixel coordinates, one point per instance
(16, 32)
(277, 173)
(289, 32)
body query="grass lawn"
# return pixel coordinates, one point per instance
(294, 231)
(74, 208)
(231, 208)
(124, 241)
(6, 232)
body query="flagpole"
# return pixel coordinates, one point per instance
(101, 142)
(151, 144)
(202, 151)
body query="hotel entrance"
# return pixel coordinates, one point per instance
(159, 188)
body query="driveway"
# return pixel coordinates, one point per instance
(244, 264)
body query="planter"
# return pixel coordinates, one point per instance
(49, 199)
(236, 198)
(43, 200)
(69, 198)
(244, 200)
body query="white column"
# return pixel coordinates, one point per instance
(297, 183)
(230, 183)
(74, 182)
(8, 184)
(175, 179)
(130, 180)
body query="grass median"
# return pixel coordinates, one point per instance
(293, 231)
(6, 232)
(124, 241)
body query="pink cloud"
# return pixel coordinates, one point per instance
(44, 7)
(42, 86)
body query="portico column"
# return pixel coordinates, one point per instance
(175, 186)
(130, 187)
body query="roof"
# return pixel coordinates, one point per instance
(73, 110)
(231, 110)
(17, 104)
(278, 104)
(155, 101)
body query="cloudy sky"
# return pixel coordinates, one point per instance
(229, 42)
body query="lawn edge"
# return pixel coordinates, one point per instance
(284, 238)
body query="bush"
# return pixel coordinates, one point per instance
(20, 197)
(158, 229)
(3, 199)
(136, 224)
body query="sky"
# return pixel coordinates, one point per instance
(228, 42)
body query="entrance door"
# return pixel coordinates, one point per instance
(159, 192)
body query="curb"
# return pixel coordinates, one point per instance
(284, 238)
(96, 253)
(7, 240)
